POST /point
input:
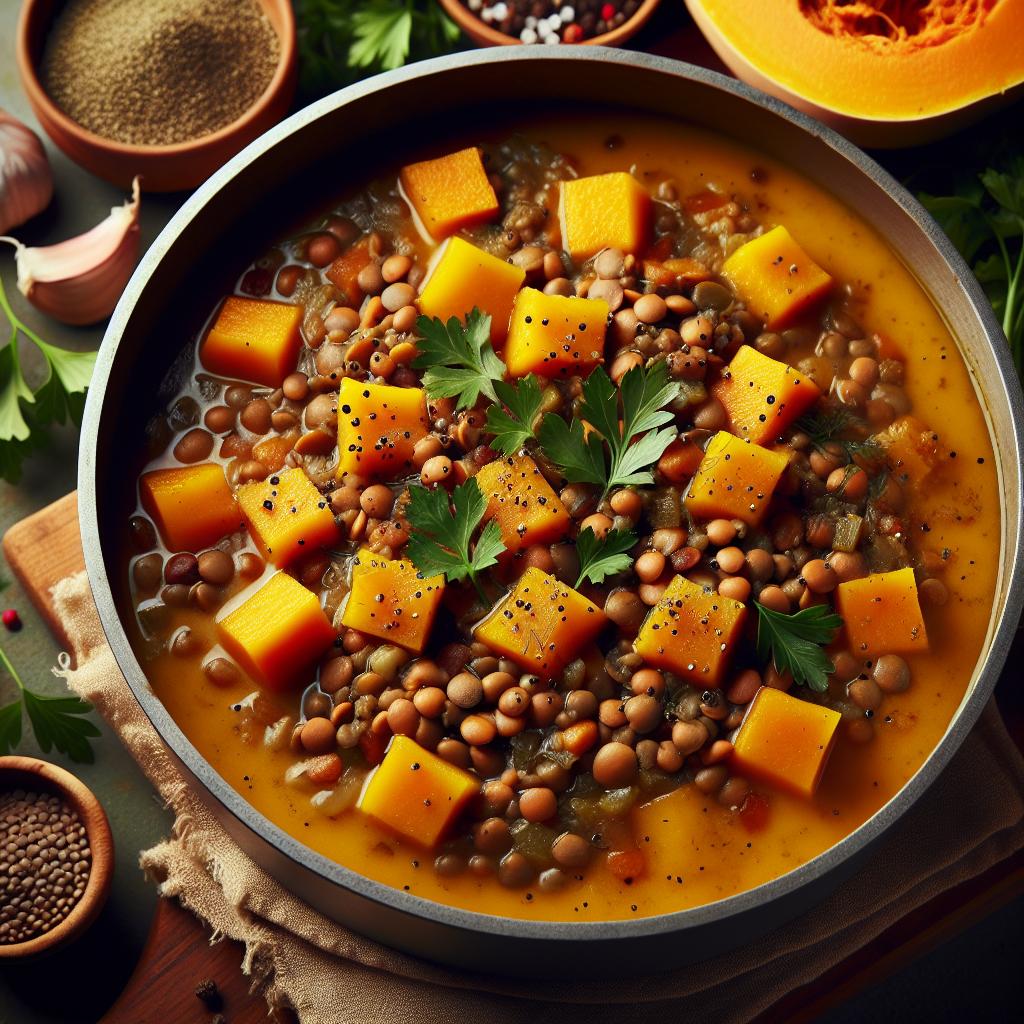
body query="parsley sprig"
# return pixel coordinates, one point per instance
(794, 642)
(511, 420)
(56, 721)
(633, 445)
(984, 218)
(26, 413)
(458, 359)
(603, 557)
(442, 533)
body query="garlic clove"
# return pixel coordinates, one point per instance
(80, 280)
(26, 182)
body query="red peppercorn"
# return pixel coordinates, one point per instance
(608, 12)
(11, 620)
(572, 34)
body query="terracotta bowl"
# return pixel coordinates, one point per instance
(163, 168)
(482, 33)
(32, 774)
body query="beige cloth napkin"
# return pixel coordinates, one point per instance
(970, 819)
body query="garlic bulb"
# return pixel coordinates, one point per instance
(26, 182)
(79, 281)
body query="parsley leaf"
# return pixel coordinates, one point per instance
(984, 219)
(382, 32)
(442, 533)
(794, 642)
(56, 721)
(27, 413)
(511, 422)
(633, 446)
(603, 557)
(458, 359)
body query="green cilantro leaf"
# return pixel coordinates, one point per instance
(26, 413)
(382, 31)
(579, 456)
(56, 721)
(603, 557)
(794, 642)
(633, 446)
(442, 533)
(511, 420)
(458, 359)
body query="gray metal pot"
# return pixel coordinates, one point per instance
(262, 192)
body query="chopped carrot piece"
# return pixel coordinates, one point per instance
(541, 625)
(466, 277)
(273, 450)
(343, 273)
(606, 210)
(253, 339)
(692, 632)
(416, 793)
(763, 396)
(555, 335)
(324, 770)
(378, 427)
(579, 737)
(391, 600)
(277, 633)
(450, 193)
(522, 502)
(785, 741)
(776, 278)
(287, 516)
(192, 507)
(735, 480)
(882, 614)
(627, 865)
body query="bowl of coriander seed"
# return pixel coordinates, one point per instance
(56, 857)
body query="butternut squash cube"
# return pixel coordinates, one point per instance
(776, 278)
(542, 625)
(343, 273)
(555, 335)
(378, 427)
(277, 633)
(193, 507)
(465, 277)
(763, 396)
(287, 516)
(692, 632)
(735, 480)
(882, 614)
(785, 741)
(392, 600)
(911, 449)
(522, 502)
(416, 793)
(450, 193)
(253, 339)
(606, 210)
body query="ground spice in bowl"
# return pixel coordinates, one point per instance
(158, 72)
(45, 861)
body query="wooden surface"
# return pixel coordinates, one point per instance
(46, 547)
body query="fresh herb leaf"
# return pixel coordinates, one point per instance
(26, 414)
(442, 533)
(458, 359)
(341, 41)
(511, 420)
(56, 721)
(603, 557)
(633, 446)
(984, 219)
(794, 642)
(827, 427)
(578, 455)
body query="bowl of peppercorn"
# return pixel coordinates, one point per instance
(56, 857)
(170, 94)
(593, 22)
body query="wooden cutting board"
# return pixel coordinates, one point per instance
(46, 547)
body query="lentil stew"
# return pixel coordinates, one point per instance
(582, 688)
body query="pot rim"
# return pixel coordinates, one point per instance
(245, 814)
